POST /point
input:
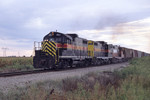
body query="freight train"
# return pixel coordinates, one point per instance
(58, 50)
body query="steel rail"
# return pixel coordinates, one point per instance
(18, 73)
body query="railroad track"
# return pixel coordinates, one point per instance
(18, 73)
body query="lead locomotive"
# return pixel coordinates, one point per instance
(60, 50)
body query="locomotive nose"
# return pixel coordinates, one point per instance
(49, 47)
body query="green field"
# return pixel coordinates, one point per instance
(9, 64)
(131, 83)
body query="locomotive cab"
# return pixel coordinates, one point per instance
(58, 37)
(53, 36)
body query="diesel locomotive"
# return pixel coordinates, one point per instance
(60, 50)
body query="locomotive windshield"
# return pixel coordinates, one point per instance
(51, 39)
(55, 39)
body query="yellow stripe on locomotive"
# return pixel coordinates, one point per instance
(91, 48)
(49, 47)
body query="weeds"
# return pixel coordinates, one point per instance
(131, 83)
(10, 64)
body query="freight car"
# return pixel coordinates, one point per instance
(60, 50)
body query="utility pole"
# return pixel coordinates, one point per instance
(4, 51)
(18, 54)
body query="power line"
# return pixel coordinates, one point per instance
(4, 51)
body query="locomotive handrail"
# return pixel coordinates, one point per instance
(37, 45)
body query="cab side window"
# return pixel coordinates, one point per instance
(58, 39)
(64, 40)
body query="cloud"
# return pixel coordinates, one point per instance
(32, 19)
(6, 3)
(131, 34)
(35, 23)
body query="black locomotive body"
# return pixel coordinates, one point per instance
(60, 50)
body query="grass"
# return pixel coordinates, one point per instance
(131, 83)
(38, 91)
(9, 64)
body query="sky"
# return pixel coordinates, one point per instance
(120, 22)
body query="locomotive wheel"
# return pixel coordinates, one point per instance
(65, 64)
(86, 64)
(60, 65)
(109, 62)
(99, 62)
(96, 62)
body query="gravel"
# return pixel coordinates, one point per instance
(7, 83)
